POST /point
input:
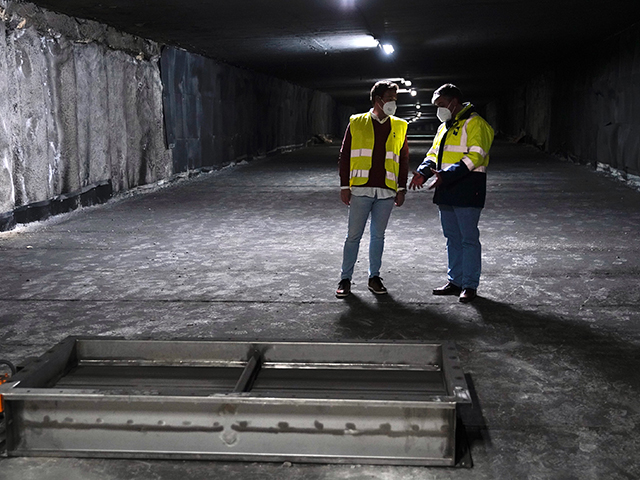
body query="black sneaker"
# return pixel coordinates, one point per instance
(448, 289)
(376, 286)
(344, 288)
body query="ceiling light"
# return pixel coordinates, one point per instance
(387, 48)
(404, 82)
(418, 106)
(364, 41)
(413, 92)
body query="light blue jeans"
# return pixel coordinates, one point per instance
(359, 211)
(464, 252)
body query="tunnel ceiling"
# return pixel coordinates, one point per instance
(481, 45)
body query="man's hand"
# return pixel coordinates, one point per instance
(438, 182)
(345, 196)
(417, 181)
(400, 197)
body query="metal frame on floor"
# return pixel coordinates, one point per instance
(327, 402)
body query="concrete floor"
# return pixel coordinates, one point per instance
(551, 349)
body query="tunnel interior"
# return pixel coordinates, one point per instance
(125, 95)
(168, 170)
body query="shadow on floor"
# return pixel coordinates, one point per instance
(617, 359)
(569, 343)
(386, 318)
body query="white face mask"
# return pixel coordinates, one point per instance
(443, 114)
(389, 108)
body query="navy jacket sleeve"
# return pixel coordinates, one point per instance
(454, 172)
(425, 168)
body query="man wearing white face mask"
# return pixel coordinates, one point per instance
(458, 158)
(374, 166)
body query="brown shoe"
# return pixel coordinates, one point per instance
(468, 295)
(344, 288)
(448, 289)
(376, 286)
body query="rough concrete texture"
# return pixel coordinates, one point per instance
(77, 107)
(586, 108)
(216, 114)
(551, 349)
(82, 103)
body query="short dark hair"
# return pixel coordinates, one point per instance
(448, 90)
(380, 87)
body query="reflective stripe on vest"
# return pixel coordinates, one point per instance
(361, 152)
(393, 156)
(359, 174)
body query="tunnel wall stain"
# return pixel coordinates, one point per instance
(586, 109)
(216, 114)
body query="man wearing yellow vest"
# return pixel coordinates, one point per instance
(374, 166)
(458, 158)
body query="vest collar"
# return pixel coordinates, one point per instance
(462, 115)
(466, 111)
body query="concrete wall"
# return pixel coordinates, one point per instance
(80, 104)
(586, 109)
(82, 111)
(216, 114)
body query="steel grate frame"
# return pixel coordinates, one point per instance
(328, 402)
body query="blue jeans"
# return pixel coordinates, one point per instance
(460, 227)
(359, 211)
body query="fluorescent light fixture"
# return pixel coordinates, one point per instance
(406, 83)
(361, 41)
(387, 48)
(321, 43)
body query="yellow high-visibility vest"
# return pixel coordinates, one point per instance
(468, 140)
(362, 140)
